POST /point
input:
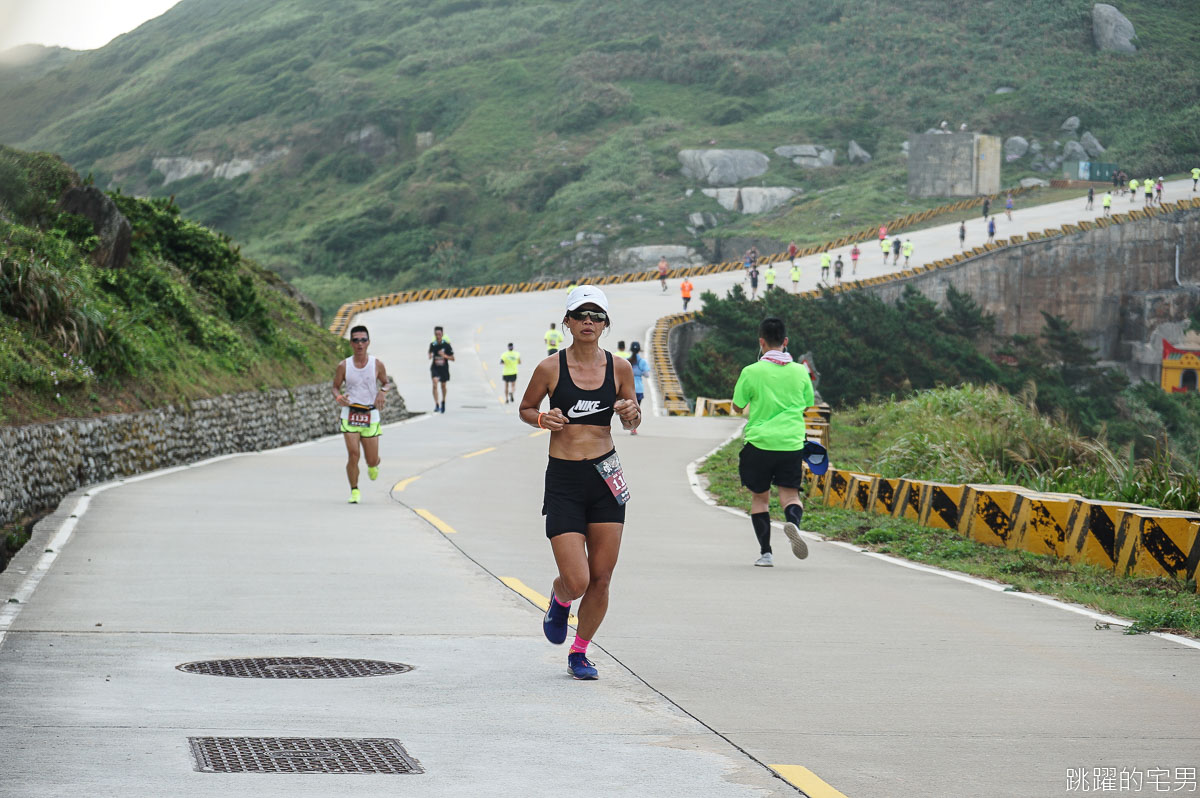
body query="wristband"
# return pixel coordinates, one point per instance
(540, 420)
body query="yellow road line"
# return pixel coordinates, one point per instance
(441, 525)
(404, 483)
(485, 368)
(492, 383)
(812, 784)
(481, 451)
(534, 596)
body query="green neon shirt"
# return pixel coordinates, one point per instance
(510, 360)
(553, 338)
(777, 397)
(795, 274)
(769, 275)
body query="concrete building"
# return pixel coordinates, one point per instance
(953, 165)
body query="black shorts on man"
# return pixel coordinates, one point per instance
(441, 373)
(510, 377)
(760, 468)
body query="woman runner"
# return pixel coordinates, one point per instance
(585, 494)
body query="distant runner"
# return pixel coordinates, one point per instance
(1195, 177)
(854, 253)
(769, 277)
(585, 490)
(907, 250)
(685, 291)
(962, 235)
(1008, 205)
(1107, 202)
(366, 383)
(509, 360)
(826, 262)
(663, 268)
(1158, 188)
(753, 281)
(1090, 198)
(1133, 190)
(440, 355)
(793, 251)
(553, 340)
(640, 370)
(897, 245)
(991, 230)
(1148, 188)
(795, 275)
(838, 266)
(777, 391)
(886, 246)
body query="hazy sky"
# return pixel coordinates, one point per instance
(78, 24)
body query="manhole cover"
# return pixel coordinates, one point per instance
(295, 668)
(301, 755)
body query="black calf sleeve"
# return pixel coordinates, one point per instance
(793, 513)
(762, 530)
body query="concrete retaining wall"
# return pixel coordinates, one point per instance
(42, 463)
(1097, 279)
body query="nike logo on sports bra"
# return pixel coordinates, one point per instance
(584, 407)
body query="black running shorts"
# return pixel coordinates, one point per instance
(510, 377)
(576, 495)
(440, 373)
(760, 468)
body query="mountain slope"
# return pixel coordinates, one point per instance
(365, 145)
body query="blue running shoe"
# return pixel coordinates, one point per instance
(555, 623)
(579, 667)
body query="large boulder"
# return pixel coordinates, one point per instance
(809, 156)
(702, 220)
(1091, 144)
(751, 200)
(1073, 151)
(638, 258)
(857, 154)
(109, 224)
(722, 167)
(1030, 182)
(1111, 30)
(1015, 147)
(1071, 124)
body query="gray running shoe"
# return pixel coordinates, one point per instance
(765, 561)
(799, 547)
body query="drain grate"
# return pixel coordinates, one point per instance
(295, 668)
(301, 755)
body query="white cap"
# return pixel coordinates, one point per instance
(585, 294)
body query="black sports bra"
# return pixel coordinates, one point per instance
(593, 407)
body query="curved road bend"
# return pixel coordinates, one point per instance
(882, 681)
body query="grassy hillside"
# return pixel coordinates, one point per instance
(185, 317)
(550, 119)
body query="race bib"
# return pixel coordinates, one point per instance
(439, 361)
(360, 416)
(610, 470)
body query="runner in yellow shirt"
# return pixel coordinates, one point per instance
(1195, 177)
(1133, 190)
(826, 262)
(907, 249)
(553, 339)
(795, 277)
(1148, 188)
(1107, 202)
(769, 277)
(509, 360)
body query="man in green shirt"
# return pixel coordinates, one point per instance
(769, 277)
(1195, 176)
(795, 277)
(509, 360)
(553, 339)
(777, 391)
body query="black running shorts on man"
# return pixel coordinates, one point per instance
(439, 367)
(760, 468)
(576, 495)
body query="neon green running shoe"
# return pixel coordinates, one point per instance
(354, 496)
(373, 472)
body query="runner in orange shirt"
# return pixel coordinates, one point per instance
(685, 290)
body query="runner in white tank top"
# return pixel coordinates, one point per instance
(366, 384)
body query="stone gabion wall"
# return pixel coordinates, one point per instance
(42, 463)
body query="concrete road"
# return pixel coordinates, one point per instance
(848, 674)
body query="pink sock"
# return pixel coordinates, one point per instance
(580, 645)
(560, 602)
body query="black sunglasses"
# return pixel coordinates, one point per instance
(359, 340)
(595, 315)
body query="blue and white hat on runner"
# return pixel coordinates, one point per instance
(815, 457)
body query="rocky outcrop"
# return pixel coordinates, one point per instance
(1015, 147)
(722, 167)
(1030, 182)
(109, 224)
(1091, 144)
(857, 154)
(371, 141)
(640, 258)
(1071, 124)
(751, 200)
(174, 169)
(42, 463)
(699, 221)
(1072, 151)
(1111, 30)
(810, 156)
